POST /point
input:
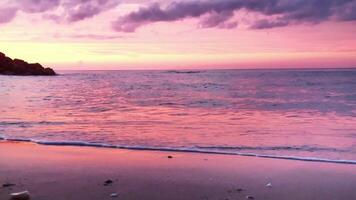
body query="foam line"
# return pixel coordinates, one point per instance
(180, 149)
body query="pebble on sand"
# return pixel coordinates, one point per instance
(239, 190)
(25, 195)
(108, 182)
(169, 156)
(8, 185)
(114, 195)
(250, 197)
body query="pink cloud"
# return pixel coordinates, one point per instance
(70, 10)
(7, 14)
(283, 12)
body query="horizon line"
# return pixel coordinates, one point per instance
(217, 69)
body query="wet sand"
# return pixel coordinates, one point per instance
(72, 173)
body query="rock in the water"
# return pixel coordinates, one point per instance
(25, 195)
(20, 67)
(108, 182)
(8, 185)
(250, 197)
(114, 195)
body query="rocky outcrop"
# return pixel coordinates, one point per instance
(23, 68)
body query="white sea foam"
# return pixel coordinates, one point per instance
(178, 149)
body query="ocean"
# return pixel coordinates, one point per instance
(291, 114)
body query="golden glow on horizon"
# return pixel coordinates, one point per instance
(96, 55)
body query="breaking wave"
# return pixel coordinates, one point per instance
(197, 149)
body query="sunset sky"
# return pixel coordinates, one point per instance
(182, 34)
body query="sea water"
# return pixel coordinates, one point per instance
(294, 114)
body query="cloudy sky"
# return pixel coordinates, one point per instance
(156, 34)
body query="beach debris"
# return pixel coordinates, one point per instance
(239, 190)
(170, 157)
(250, 197)
(269, 185)
(8, 185)
(113, 195)
(108, 182)
(25, 195)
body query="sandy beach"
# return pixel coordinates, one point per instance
(64, 172)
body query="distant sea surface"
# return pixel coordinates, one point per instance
(293, 114)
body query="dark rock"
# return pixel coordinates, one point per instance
(108, 182)
(239, 190)
(21, 67)
(8, 184)
(169, 157)
(250, 197)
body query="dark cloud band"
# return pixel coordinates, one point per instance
(211, 13)
(220, 13)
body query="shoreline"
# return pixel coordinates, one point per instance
(181, 150)
(68, 172)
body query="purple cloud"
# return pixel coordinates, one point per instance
(69, 10)
(220, 13)
(347, 13)
(220, 20)
(95, 36)
(7, 14)
(211, 13)
(78, 10)
(265, 24)
(37, 6)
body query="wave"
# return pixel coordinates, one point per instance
(207, 150)
(274, 148)
(183, 72)
(28, 123)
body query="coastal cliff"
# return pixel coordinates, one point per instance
(10, 66)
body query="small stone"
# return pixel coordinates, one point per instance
(169, 157)
(8, 185)
(239, 190)
(269, 185)
(250, 197)
(113, 195)
(108, 182)
(25, 195)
